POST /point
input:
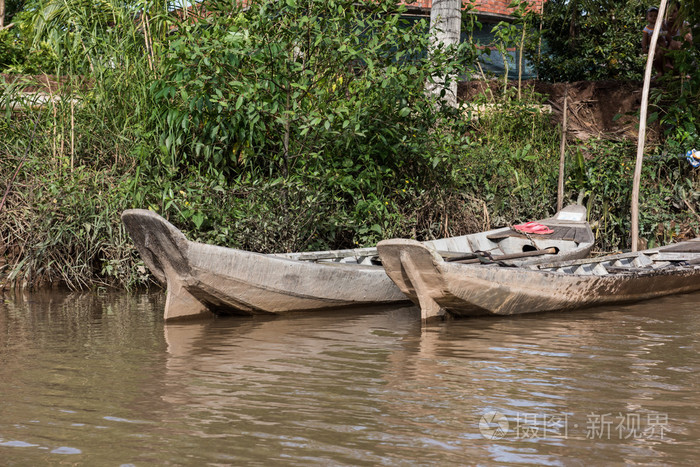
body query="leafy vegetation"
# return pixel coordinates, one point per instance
(591, 40)
(598, 40)
(288, 126)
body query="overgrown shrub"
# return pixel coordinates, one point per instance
(590, 40)
(599, 40)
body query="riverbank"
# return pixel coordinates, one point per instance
(60, 222)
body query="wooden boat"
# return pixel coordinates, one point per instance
(442, 287)
(202, 279)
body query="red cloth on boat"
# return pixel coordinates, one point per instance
(533, 228)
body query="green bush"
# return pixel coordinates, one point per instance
(590, 40)
(288, 86)
(329, 96)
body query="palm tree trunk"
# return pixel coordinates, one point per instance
(2, 14)
(445, 27)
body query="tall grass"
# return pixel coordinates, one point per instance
(61, 219)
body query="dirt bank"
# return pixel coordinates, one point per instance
(606, 109)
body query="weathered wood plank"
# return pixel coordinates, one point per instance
(330, 254)
(691, 246)
(664, 255)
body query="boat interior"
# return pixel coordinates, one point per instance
(569, 231)
(684, 255)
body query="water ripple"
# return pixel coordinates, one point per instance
(103, 381)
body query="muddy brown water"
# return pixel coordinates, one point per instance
(90, 379)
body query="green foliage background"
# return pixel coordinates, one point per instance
(601, 40)
(591, 40)
(296, 125)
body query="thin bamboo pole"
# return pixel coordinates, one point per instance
(72, 133)
(562, 153)
(643, 127)
(54, 145)
(147, 39)
(539, 42)
(520, 61)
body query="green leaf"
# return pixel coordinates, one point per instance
(198, 219)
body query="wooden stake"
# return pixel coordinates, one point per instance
(520, 61)
(643, 127)
(147, 40)
(53, 142)
(72, 132)
(562, 153)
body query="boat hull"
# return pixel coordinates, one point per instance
(202, 279)
(502, 292)
(242, 282)
(443, 288)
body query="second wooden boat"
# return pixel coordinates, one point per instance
(449, 288)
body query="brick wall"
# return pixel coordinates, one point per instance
(500, 7)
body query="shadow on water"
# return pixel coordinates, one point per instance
(101, 380)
